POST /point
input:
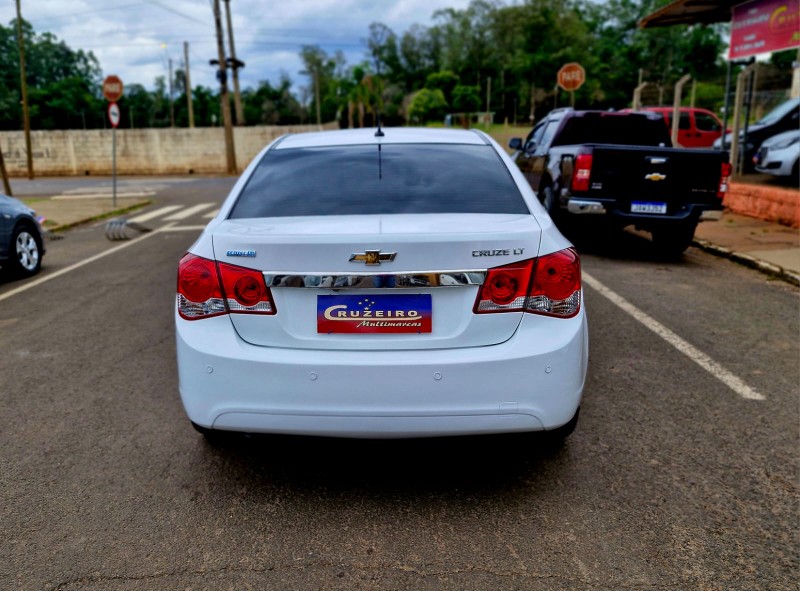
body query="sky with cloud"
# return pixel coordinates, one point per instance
(135, 39)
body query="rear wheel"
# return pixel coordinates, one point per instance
(672, 241)
(26, 251)
(213, 436)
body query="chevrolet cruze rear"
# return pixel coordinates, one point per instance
(396, 286)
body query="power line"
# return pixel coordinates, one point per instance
(178, 12)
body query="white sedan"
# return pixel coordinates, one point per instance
(402, 283)
(780, 155)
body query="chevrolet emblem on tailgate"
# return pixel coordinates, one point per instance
(655, 177)
(372, 257)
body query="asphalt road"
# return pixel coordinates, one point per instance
(673, 480)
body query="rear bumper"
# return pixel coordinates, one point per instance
(533, 381)
(613, 211)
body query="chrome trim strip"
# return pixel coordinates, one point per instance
(403, 280)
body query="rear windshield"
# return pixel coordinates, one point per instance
(395, 178)
(608, 128)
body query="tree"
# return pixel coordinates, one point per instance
(427, 105)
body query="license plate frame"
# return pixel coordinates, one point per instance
(649, 207)
(374, 314)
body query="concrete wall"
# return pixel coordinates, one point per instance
(139, 151)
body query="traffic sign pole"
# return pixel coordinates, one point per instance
(114, 165)
(113, 118)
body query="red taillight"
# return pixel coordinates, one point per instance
(245, 290)
(205, 291)
(582, 172)
(505, 288)
(724, 178)
(556, 289)
(199, 291)
(549, 285)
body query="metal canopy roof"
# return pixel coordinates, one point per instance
(689, 12)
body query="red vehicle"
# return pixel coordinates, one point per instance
(697, 128)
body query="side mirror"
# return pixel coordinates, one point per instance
(515, 143)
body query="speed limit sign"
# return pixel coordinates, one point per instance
(113, 114)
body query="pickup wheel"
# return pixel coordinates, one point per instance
(548, 200)
(672, 241)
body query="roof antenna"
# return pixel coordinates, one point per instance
(379, 133)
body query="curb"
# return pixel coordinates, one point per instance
(99, 217)
(749, 261)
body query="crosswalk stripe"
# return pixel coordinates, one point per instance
(213, 214)
(190, 211)
(155, 213)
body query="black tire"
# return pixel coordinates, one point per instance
(564, 431)
(548, 200)
(671, 241)
(25, 251)
(214, 436)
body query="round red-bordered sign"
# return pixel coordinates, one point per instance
(571, 76)
(112, 88)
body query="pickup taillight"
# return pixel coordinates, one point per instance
(724, 178)
(582, 172)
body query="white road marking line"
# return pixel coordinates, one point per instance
(155, 213)
(65, 270)
(188, 212)
(182, 229)
(109, 195)
(213, 214)
(700, 358)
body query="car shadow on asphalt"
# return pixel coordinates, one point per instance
(434, 466)
(628, 244)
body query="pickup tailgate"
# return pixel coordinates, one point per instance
(674, 177)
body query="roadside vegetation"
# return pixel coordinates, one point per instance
(491, 56)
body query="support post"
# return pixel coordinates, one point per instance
(676, 107)
(737, 116)
(4, 173)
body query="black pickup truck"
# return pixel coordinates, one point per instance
(621, 167)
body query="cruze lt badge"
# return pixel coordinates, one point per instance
(655, 177)
(497, 252)
(372, 257)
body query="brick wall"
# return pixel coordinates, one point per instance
(139, 151)
(765, 202)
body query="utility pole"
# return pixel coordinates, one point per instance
(24, 86)
(188, 83)
(222, 75)
(235, 65)
(171, 97)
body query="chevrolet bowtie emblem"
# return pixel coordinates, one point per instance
(655, 177)
(372, 257)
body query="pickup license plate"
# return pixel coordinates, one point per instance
(374, 314)
(648, 207)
